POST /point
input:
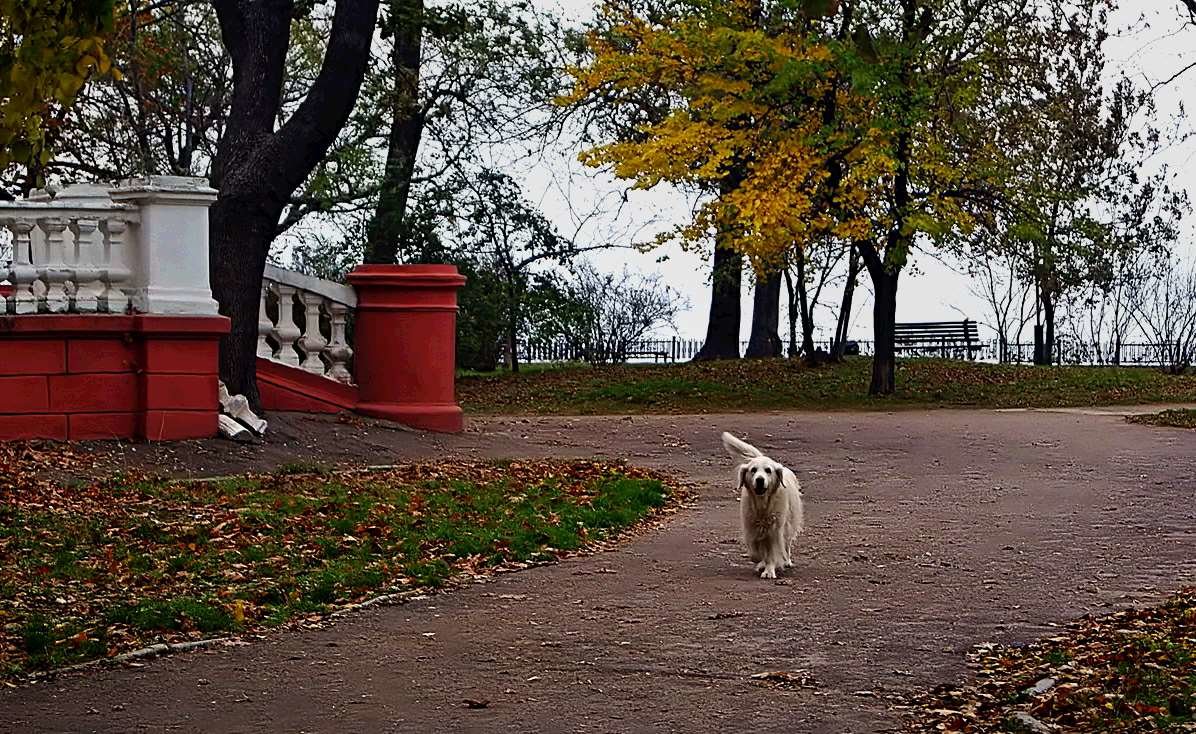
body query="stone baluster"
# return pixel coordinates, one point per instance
(312, 342)
(287, 332)
(116, 274)
(24, 273)
(339, 352)
(53, 267)
(88, 266)
(265, 327)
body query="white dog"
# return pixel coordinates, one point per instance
(770, 507)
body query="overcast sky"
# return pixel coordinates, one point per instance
(1150, 42)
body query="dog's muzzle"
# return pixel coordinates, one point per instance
(760, 487)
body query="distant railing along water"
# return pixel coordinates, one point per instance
(1067, 351)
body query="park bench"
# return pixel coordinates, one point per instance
(633, 351)
(657, 355)
(945, 338)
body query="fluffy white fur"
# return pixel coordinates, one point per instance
(770, 507)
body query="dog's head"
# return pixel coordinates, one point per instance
(761, 475)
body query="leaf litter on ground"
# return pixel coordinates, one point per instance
(96, 568)
(1124, 673)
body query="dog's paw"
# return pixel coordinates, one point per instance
(759, 566)
(768, 573)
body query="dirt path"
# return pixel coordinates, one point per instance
(928, 532)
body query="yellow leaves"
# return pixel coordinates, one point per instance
(759, 117)
(85, 64)
(238, 612)
(678, 149)
(54, 47)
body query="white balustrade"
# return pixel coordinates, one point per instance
(65, 259)
(140, 246)
(312, 343)
(317, 344)
(116, 275)
(265, 327)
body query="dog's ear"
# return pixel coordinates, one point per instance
(743, 470)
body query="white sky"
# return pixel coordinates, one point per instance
(1150, 43)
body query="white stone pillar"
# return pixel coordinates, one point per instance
(170, 257)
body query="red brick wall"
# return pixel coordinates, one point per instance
(91, 377)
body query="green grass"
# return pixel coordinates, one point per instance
(1169, 418)
(753, 385)
(100, 569)
(525, 369)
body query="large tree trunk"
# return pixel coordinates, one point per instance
(722, 330)
(884, 317)
(843, 323)
(386, 231)
(1044, 330)
(257, 168)
(766, 315)
(726, 282)
(239, 240)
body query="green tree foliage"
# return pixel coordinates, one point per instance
(460, 81)
(1082, 198)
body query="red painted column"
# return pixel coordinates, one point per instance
(405, 344)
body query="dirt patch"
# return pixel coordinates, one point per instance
(928, 532)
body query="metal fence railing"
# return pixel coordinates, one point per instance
(1067, 351)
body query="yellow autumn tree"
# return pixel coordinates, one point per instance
(872, 127)
(48, 51)
(746, 123)
(741, 90)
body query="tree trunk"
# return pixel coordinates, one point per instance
(1044, 331)
(1048, 343)
(807, 314)
(792, 313)
(766, 315)
(843, 323)
(386, 231)
(242, 238)
(726, 282)
(513, 325)
(257, 168)
(722, 330)
(884, 316)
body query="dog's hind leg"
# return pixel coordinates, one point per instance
(790, 535)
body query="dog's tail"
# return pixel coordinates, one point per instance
(740, 449)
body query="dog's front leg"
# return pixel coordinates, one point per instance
(773, 555)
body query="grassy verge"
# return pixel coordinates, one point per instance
(1132, 671)
(1170, 418)
(784, 384)
(94, 570)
